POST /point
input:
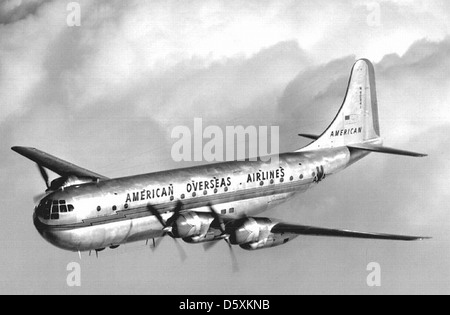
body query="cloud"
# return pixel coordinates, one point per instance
(119, 47)
(12, 11)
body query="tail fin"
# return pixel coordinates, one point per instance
(356, 125)
(357, 120)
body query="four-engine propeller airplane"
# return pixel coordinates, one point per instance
(84, 211)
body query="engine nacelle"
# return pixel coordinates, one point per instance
(249, 230)
(271, 241)
(255, 233)
(190, 224)
(62, 182)
(209, 237)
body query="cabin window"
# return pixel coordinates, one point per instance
(223, 211)
(183, 196)
(63, 208)
(272, 181)
(231, 210)
(301, 176)
(261, 183)
(114, 208)
(172, 198)
(99, 208)
(215, 191)
(126, 206)
(291, 178)
(70, 208)
(194, 194)
(205, 192)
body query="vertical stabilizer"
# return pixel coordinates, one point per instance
(357, 120)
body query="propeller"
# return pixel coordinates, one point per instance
(44, 175)
(167, 227)
(224, 235)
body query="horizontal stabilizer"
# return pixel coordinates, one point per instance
(382, 149)
(55, 164)
(315, 231)
(309, 136)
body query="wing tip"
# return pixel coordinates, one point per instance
(23, 150)
(424, 238)
(20, 148)
(417, 238)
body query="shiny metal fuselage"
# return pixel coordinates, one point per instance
(114, 212)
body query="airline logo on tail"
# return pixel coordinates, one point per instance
(344, 132)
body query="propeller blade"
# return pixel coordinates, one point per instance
(157, 242)
(218, 218)
(226, 237)
(44, 175)
(208, 245)
(234, 260)
(156, 213)
(167, 228)
(176, 213)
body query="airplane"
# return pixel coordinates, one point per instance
(85, 211)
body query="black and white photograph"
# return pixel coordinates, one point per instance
(225, 148)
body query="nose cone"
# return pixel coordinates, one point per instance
(53, 235)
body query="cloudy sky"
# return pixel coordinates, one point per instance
(107, 94)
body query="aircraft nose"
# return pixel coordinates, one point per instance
(40, 227)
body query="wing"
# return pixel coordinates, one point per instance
(315, 231)
(55, 164)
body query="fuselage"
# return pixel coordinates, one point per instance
(112, 212)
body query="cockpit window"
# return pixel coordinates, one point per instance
(51, 209)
